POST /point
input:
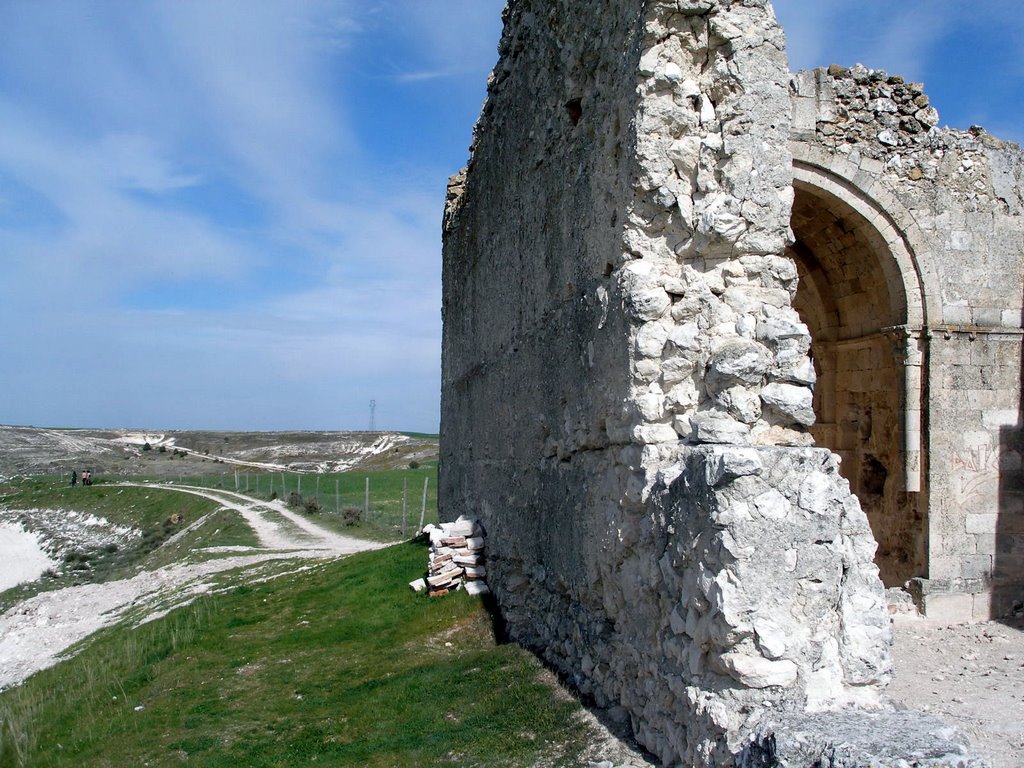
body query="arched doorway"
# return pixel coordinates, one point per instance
(864, 314)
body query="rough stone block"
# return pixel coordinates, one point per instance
(957, 315)
(976, 566)
(987, 316)
(852, 739)
(983, 606)
(981, 523)
(952, 607)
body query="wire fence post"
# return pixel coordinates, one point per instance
(423, 509)
(366, 502)
(337, 497)
(405, 504)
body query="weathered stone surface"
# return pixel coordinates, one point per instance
(885, 739)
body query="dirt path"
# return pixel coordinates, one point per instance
(294, 532)
(35, 633)
(970, 676)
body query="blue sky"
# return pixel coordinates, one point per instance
(226, 214)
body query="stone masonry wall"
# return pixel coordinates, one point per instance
(954, 200)
(626, 386)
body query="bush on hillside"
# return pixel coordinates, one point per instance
(351, 515)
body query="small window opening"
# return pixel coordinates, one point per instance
(575, 109)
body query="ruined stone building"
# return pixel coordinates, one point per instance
(725, 350)
(909, 241)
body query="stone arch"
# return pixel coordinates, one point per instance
(866, 300)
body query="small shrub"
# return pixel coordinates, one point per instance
(312, 507)
(163, 449)
(351, 515)
(147, 447)
(414, 464)
(295, 500)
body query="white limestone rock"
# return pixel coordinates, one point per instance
(712, 427)
(790, 401)
(759, 672)
(729, 463)
(738, 361)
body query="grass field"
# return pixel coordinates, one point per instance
(335, 663)
(341, 665)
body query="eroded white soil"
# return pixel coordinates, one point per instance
(22, 557)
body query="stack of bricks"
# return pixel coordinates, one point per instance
(456, 559)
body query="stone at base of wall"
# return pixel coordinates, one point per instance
(855, 738)
(959, 601)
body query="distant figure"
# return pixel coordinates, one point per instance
(87, 477)
(74, 478)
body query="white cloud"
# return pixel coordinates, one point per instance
(136, 162)
(873, 33)
(263, 88)
(458, 38)
(907, 39)
(807, 27)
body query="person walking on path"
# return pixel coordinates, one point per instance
(74, 478)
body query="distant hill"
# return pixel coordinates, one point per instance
(34, 451)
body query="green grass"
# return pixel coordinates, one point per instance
(138, 507)
(342, 665)
(152, 510)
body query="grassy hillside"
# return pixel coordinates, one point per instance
(26, 451)
(338, 665)
(155, 516)
(158, 515)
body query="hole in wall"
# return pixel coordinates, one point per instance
(873, 475)
(574, 107)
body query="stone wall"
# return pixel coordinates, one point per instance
(626, 384)
(910, 243)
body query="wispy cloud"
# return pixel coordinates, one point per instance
(419, 77)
